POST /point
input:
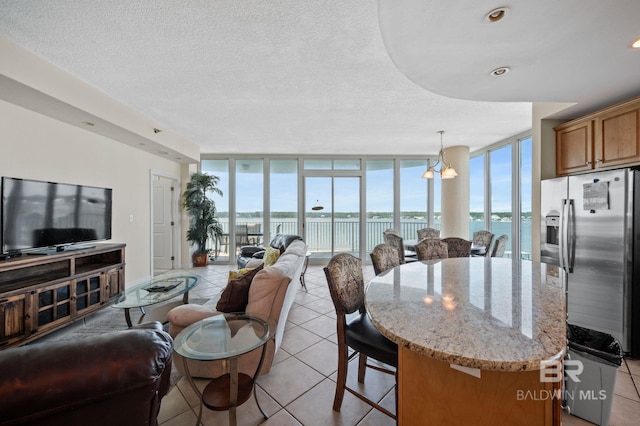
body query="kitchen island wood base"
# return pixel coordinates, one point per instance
(432, 392)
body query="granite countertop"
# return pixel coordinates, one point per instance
(487, 313)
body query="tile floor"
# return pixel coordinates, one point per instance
(300, 387)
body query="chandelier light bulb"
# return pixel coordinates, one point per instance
(445, 171)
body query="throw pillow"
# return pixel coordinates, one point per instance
(235, 296)
(235, 274)
(270, 256)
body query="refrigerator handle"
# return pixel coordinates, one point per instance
(571, 237)
(562, 240)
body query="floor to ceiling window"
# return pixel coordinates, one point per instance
(437, 203)
(501, 208)
(380, 211)
(220, 168)
(476, 195)
(249, 226)
(500, 190)
(332, 219)
(318, 216)
(283, 197)
(413, 198)
(525, 197)
(395, 196)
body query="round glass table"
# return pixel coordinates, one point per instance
(224, 337)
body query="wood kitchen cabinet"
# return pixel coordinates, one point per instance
(574, 147)
(606, 139)
(618, 137)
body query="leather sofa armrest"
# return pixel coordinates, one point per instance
(248, 251)
(62, 379)
(154, 325)
(283, 240)
(259, 254)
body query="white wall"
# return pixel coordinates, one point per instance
(35, 146)
(543, 160)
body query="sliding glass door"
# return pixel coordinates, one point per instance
(332, 215)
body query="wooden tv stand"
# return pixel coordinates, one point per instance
(40, 294)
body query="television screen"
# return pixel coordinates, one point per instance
(38, 214)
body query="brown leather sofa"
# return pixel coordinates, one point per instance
(115, 378)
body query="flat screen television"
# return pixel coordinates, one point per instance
(43, 217)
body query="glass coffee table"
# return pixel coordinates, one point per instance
(224, 337)
(158, 290)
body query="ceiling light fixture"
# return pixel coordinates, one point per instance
(499, 72)
(496, 14)
(636, 44)
(446, 171)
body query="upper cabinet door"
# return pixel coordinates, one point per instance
(574, 147)
(617, 140)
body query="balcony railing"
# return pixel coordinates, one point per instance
(347, 232)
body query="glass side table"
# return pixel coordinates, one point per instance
(225, 337)
(158, 290)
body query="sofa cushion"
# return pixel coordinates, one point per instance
(185, 315)
(266, 293)
(270, 256)
(235, 296)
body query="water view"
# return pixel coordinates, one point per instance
(347, 235)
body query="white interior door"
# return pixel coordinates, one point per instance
(163, 255)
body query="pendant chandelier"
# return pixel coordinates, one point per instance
(445, 170)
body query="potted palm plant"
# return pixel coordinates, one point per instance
(203, 223)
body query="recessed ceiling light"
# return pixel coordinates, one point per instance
(496, 14)
(499, 72)
(163, 152)
(88, 123)
(636, 44)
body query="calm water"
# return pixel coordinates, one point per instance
(318, 235)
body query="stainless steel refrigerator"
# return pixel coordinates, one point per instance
(589, 230)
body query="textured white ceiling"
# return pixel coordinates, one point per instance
(576, 51)
(274, 77)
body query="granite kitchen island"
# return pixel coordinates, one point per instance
(472, 335)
